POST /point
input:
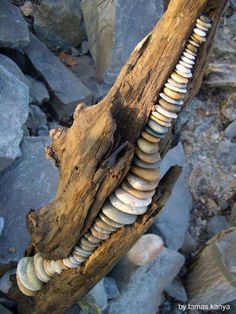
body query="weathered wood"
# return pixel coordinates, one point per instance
(64, 290)
(84, 152)
(95, 154)
(212, 276)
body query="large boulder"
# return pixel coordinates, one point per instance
(58, 23)
(13, 31)
(174, 218)
(29, 183)
(114, 28)
(14, 107)
(141, 287)
(65, 88)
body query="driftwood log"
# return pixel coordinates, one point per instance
(95, 154)
(212, 275)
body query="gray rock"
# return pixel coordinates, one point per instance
(174, 218)
(113, 31)
(1, 225)
(37, 120)
(220, 75)
(230, 131)
(66, 89)
(111, 288)
(58, 23)
(232, 217)
(177, 291)
(13, 31)
(38, 91)
(226, 152)
(217, 224)
(141, 287)
(29, 183)
(5, 282)
(228, 108)
(7, 302)
(14, 100)
(13, 68)
(190, 244)
(4, 310)
(96, 300)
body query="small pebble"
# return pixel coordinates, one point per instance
(146, 249)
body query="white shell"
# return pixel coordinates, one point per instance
(157, 127)
(137, 210)
(172, 101)
(141, 184)
(187, 60)
(188, 55)
(176, 89)
(118, 216)
(131, 200)
(166, 113)
(182, 68)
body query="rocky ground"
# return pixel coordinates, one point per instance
(45, 70)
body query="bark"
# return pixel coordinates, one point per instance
(94, 156)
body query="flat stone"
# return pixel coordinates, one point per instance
(13, 68)
(66, 89)
(216, 225)
(230, 131)
(96, 300)
(14, 100)
(14, 30)
(145, 250)
(177, 291)
(141, 287)
(5, 282)
(221, 75)
(38, 91)
(173, 221)
(58, 23)
(190, 244)
(137, 193)
(111, 288)
(126, 208)
(129, 199)
(141, 184)
(146, 174)
(118, 216)
(113, 31)
(33, 179)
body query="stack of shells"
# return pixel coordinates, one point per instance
(134, 195)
